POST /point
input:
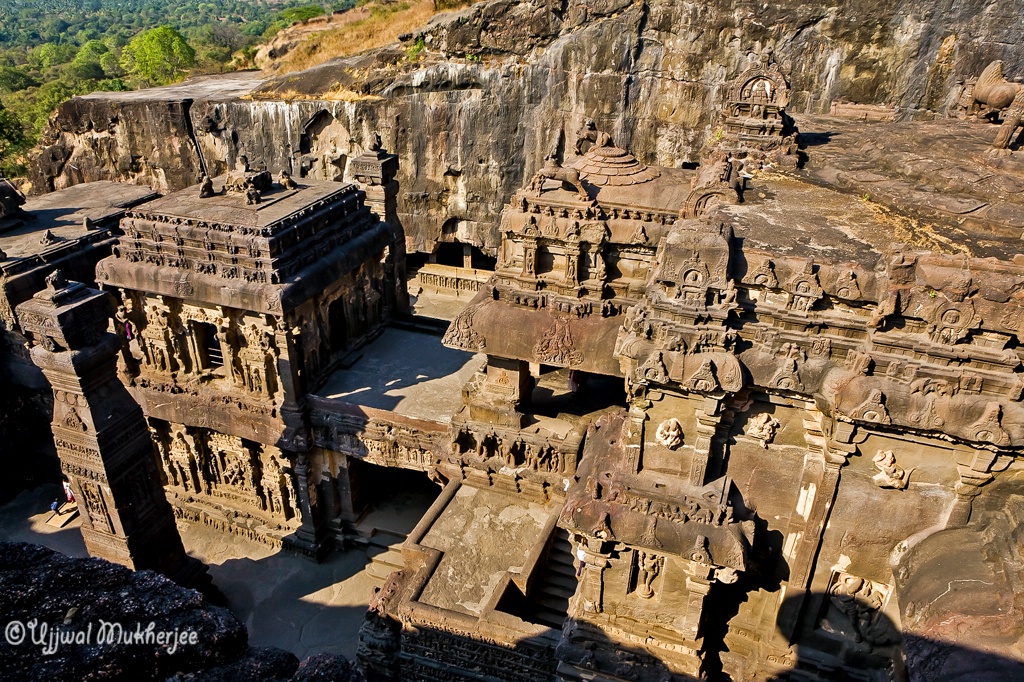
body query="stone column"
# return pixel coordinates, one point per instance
(828, 447)
(101, 435)
(375, 171)
(308, 538)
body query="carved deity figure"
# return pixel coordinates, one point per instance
(889, 475)
(276, 491)
(762, 427)
(648, 567)
(670, 433)
(182, 469)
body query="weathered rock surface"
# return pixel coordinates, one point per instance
(961, 598)
(70, 595)
(502, 84)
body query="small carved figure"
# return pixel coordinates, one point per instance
(206, 188)
(700, 552)
(649, 566)
(670, 433)
(56, 280)
(49, 238)
(284, 178)
(588, 132)
(252, 196)
(375, 142)
(889, 474)
(762, 427)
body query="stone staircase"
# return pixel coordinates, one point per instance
(557, 583)
(384, 548)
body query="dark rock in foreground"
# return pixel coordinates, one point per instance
(45, 594)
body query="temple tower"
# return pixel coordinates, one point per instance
(101, 435)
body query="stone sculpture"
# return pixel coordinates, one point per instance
(889, 474)
(568, 177)
(670, 433)
(762, 427)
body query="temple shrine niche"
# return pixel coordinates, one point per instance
(755, 127)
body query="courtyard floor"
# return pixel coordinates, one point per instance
(284, 600)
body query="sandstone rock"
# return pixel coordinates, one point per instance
(469, 131)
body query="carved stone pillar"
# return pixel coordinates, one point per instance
(308, 539)
(828, 446)
(102, 438)
(967, 488)
(708, 420)
(697, 588)
(375, 171)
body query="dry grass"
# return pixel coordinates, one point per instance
(340, 94)
(381, 25)
(916, 233)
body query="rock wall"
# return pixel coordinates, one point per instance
(503, 83)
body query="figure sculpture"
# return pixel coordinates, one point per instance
(889, 474)
(992, 96)
(670, 433)
(284, 178)
(569, 177)
(762, 427)
(588, 132)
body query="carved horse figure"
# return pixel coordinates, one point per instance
(569, 177)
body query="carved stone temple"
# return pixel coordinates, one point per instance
(101, 435)
(232, 307)
(757, 418)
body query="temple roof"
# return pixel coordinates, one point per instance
(611, 166)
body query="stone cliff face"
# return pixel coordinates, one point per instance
(502, 84)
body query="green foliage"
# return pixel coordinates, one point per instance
(13, 79)
(51, 50)
(414, 51)
(158, 56)
(11, 134)
(294, 15)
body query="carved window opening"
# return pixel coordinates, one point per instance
(211, 356)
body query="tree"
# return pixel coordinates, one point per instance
(12, 136)
(158, 56)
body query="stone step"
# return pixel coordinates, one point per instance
(558, 604)
(549, 617)
(566, 582)
(379, 572)
(385, 538)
